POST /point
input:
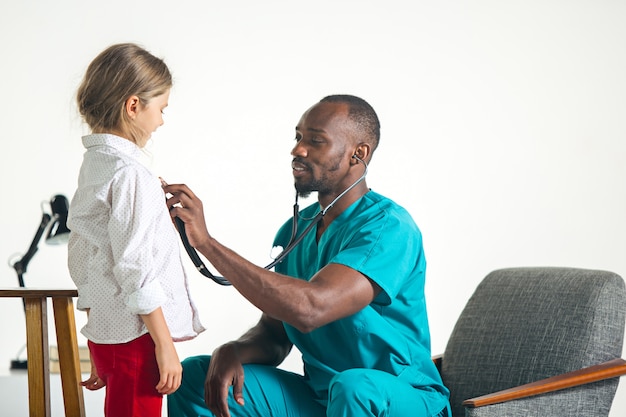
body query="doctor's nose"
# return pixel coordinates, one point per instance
(299, 150)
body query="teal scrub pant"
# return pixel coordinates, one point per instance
(269, 391)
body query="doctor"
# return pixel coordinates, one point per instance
(350, 296)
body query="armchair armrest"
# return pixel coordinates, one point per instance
(606, 370)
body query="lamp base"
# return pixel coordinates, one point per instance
(19, 364)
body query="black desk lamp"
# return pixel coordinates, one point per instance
(58, 233)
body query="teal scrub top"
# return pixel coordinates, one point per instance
(378, 238)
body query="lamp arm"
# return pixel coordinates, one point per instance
(21, 265)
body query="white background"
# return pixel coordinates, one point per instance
(503, 129)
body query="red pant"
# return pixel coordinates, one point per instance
(131, 372)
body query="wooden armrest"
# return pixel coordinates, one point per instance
(438, 360)
(606, 370)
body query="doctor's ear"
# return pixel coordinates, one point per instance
(361, 152)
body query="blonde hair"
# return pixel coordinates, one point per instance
(116, 74)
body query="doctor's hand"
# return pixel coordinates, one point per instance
(225, 370)
(184, 204)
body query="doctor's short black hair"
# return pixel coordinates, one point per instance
(361, 113)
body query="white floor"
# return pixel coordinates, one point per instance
(14, 396)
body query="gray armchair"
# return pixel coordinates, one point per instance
(537, 342)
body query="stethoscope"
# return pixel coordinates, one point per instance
(294, 240)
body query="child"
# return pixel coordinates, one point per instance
(123, 251)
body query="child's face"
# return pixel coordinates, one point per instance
(150, 116)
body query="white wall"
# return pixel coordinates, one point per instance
(503, 128)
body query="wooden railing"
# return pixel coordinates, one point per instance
(37, 348)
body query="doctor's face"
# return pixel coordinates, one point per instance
(321, 156)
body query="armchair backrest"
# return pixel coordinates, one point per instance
(526, 324)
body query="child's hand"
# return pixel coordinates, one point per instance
(93, 382)
(170, 369)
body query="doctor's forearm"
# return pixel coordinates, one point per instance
(279, 296)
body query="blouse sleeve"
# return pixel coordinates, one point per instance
(134, 205)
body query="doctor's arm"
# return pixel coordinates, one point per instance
(334, 292)
(265, 343)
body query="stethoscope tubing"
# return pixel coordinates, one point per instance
(294, 240)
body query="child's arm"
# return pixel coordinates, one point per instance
(170, 369)
(93, 382)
